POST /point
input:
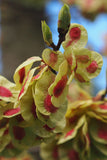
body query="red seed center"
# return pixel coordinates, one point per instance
(102, 133)
(79, 78)
(53, 58)
(33, 110)
(82, 58)
(21, 74)
(4, 92)
(11, 112)
(92, 67)
(73, 155)
(19, 133)
(60, 86)
(75, 33)
(55, 153)
(48, 104)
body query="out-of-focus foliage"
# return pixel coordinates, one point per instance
(34, 4)
(104, 50)
(24, 156)
(89, 8)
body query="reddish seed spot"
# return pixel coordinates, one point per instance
(53, 59)
(21, 74)
(42, 66)
(103, 106)
(92, 67)
(4, 92)
(36, 77)
(22, 90)
(55, 153)
(48, 104)
(69, 133)
(102, 133)
(69, 60)
(97, 98)
(75, 33)
(79, 77)
(81, 96)
(48, 128)
(19, 133)
(73, 155)
(88, 4)
(60, 86)
(75, 67)
(69, 43)
(33, 110)
(19, 118)
(11, 112)
(6, 131)
(10, 146)
(73, 119)
(82, 58)
(102, 9)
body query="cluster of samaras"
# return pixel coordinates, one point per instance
(33, 108)
(89, 8)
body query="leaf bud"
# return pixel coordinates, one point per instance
(64, 19)
(47, 34)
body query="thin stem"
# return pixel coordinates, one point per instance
(62, 34)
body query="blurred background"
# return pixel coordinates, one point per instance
(21, 35)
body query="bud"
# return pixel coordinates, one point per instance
(47, 35)
(64, 19)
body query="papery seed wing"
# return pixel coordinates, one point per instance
(22, 71)
(76, 37)
(52, 58)
(8, 91)
(59, 88)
